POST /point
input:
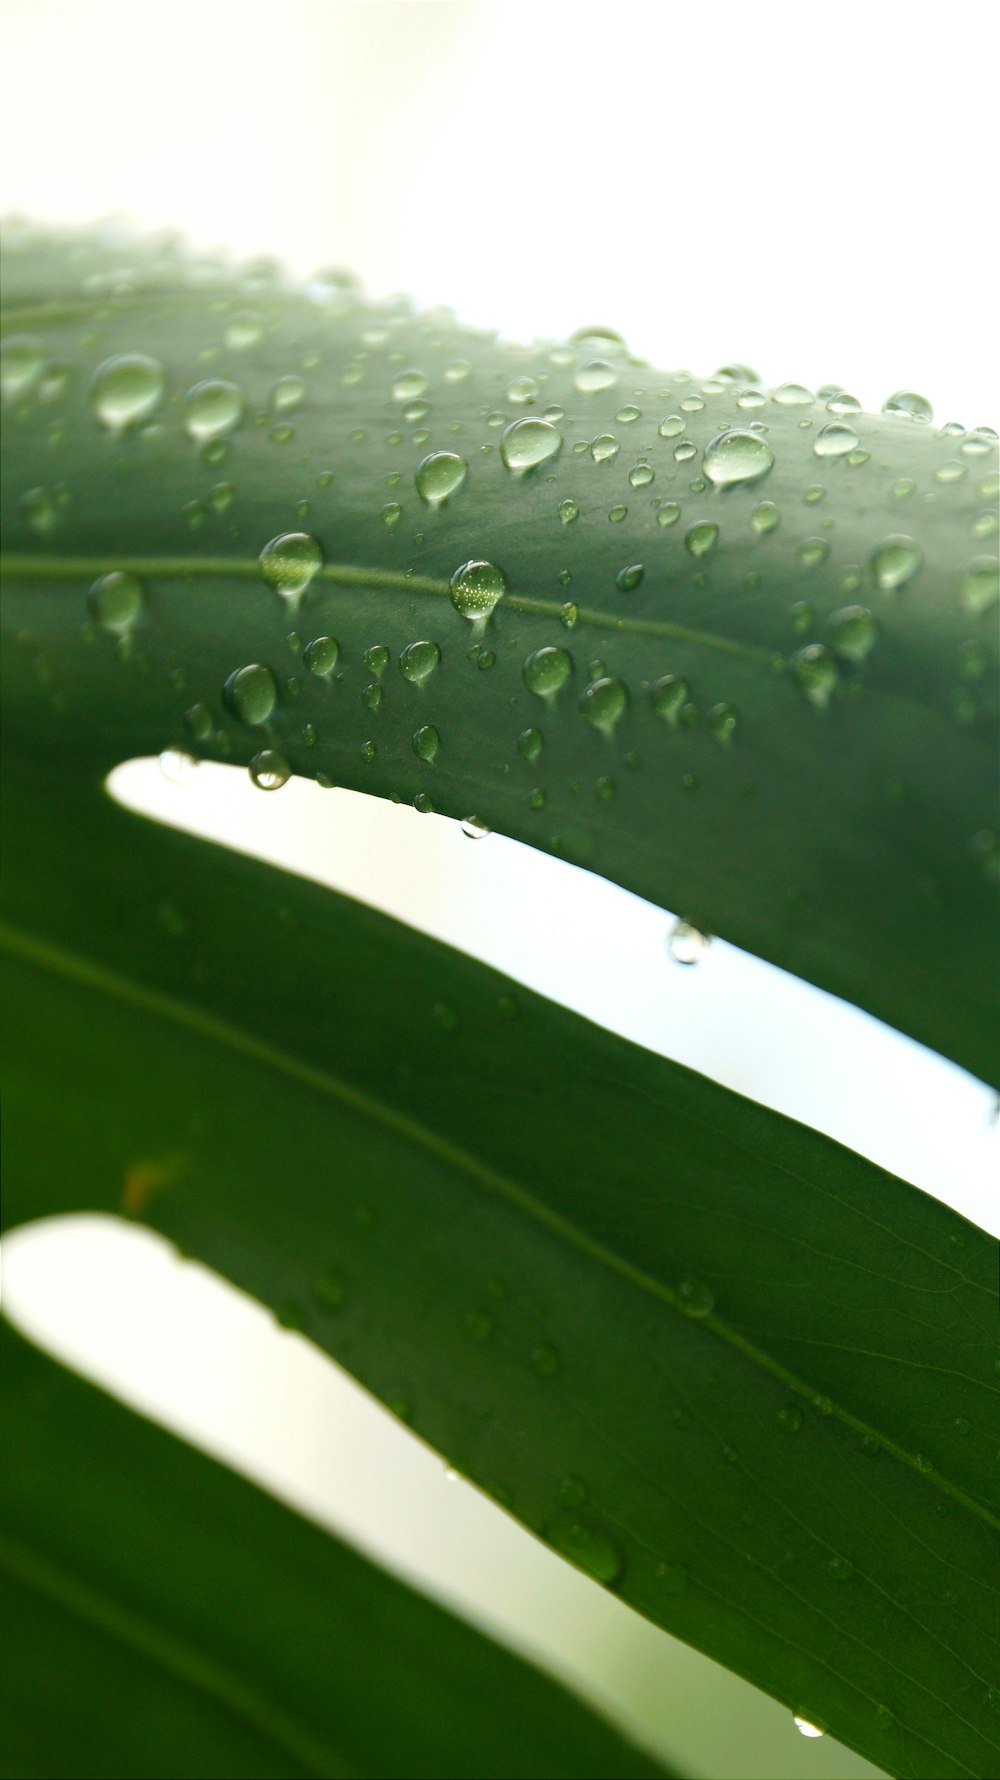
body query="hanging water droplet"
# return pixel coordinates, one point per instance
(603, 703)
(127, 389)
(594, 376)
(895, 561)
(269, 770)
(251, 693)
(476, 588)
(426, 742)
(669, 696)
(22, 357)
(699, 539)
(816, 672)
(734, 457)
(213, 408)
(289, 562)
(604, 447)
(806, 1726)
(115, 601)
(528, 443)
(835, 440)
(979, 587)
(586, 1544)
(529, 744)
(906, 402)
(687, 945)
(546, 671)
(629, 578)
(440, 475)
(853, 632)
(474, 828)
(321, 656)
(693, 1295)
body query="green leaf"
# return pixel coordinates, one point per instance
(823, 794)
(141, 1641)
(743, 1377)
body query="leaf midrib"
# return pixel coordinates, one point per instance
(73, 966)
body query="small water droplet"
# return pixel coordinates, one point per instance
(213, 408)
(764, 517)
(699, 539)
(321, 656)
(522, 390)
(671, 427)
(251, 693)
(127, 389)
(269, 770)
(568, 615)
(426, 742)
(177, 765)
(816, 672)
(476, 588)
(474, 828)
(198, 722)
(568, 511)
(286, 394)
(22, 358)
(289, 563)
(629, 578)
(440, 475)
(418, 661)
(895, 561)
(694, 1296)
(603, 703)
(604, 447)
(813, 551)
(735, 457)
(806, 1726)
(790, 1418)
(594, 376)
(628, 414)
(668, 514)
(641, 475)
(586, 1544)
(685, 451)
(979, 587)
(906, 402)
(835, 440)
(546, 671)
(115, 601)
(529, 744)
(792, 395)
(244, 329)
(371, 696)
(528, 443)
(409, 386)
(668, 697)
(853, 632)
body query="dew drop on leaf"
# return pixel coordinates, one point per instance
(213, 408)
(693, 1295)
(604, 447)
(269, 770)
(22, 357)
(418, 661)
(979, 587)
(668, 696)
(529, 744)
(853, 632)
(251, 693)
(546, 671)
(905, 401)
(127, 389)
(835, 440)
(816, 673)
(426, 742)
(440, 475)
(321, 656)
(603, 703)
(586, 1544)
(115, 601)
(594, 376)
(735, 457)
(289, 562)
(895, 561)
(476, 588)
(528, 443)
(700, 538)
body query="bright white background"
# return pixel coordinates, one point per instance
(807, 190)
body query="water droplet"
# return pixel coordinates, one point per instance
(269, 770)
(474, 828)
(617, 514)
(522, 390)
(722, 721)
(630, 577)
(289, 562)
(321, 656)
(685, 451)
(371, 696)
(440, 475)
(528, 443)
(671, 427)
(39, 509)
(418, 661)
(764, 517)
(802, 615)
(668, 697)
(568, 511)
(213, 408)
(286, 394)
(529, 744)
(244, 329)
(603, 703)
(895, 561)
(22, 358)
(629, 413)
(668, 514)
(792, 395)
(950, 472)
(568, 614)
(734, 457)
(979, 588)
(923, 1462)
(544, 1360)
(476, 588)
(841, 403)
(198, 722)
(587, 1545)
(127, 389)
(408, 386)
(115, 601)
(853, 632)
(694, 1296)
(835, 440)
(790, 1418)
(961, 1424)
(816, 672)
(251, 693)
(699, 539)
(221, 497)
(426, 742)
(806, 1726)
(906, 402)
(457, 371)
(591, 378)
(641, 475)
(604, 447)
(546, 671)
(813, 551)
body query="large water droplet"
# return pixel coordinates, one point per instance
(115, 601)
(835, 440)
(546, 671)
(735, 457)
(127, 389)
(895, 561)
(791, 395)
(426, 742)
(604, 702)
(687, 945)
(604, 447)
(587, 1545)
(213, 408)
(476, 588)
(289, 562)
(418, 661)
(853, 632)
(251, 693)
(816, 672)
(906, 402)
(22, 357)
(269, 770)
(594, 376)
(528, 443)
(440, 475)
